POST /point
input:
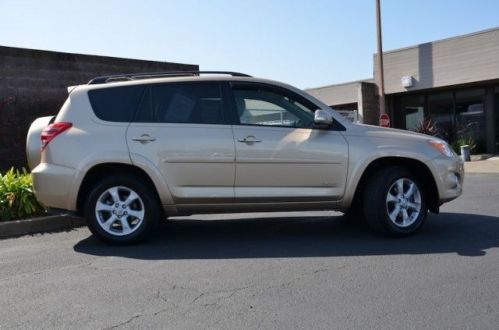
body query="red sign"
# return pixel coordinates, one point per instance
(384, 120)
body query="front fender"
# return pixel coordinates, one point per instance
(362, 157)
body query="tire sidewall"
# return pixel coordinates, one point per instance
(151, 209)
(382, 218)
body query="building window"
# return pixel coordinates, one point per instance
(496, 116)
(457, 114)
(412, 107)
(470, 116)
(440, 111)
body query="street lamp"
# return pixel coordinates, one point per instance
(380, 75)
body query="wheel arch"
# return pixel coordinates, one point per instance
(102, 170)
(415, 166)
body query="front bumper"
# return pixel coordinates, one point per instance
(449, 175)
(52, 185)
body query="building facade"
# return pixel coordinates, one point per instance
(453, 83)
(33, 83)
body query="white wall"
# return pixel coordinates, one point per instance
(459, 60)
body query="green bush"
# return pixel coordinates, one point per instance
(17, 199)
(463, 141)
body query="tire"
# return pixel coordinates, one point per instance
(122, 210)
(355, 214)
(389, 212)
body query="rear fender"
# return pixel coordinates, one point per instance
(33, 141)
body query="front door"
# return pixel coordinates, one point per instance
(182, 130)
(280, 156)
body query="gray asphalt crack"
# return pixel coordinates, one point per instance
(124, 323)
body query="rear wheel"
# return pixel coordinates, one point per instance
(122, 209)
(394, 202)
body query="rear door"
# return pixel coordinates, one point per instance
(280, 156)
(182, 129)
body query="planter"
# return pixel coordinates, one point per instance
(45, 224)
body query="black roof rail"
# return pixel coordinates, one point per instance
(134, 76)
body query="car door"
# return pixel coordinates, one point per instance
(280, 156)
(182, 129)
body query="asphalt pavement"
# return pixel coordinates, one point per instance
(277, 270)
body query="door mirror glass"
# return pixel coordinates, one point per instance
(322, 118)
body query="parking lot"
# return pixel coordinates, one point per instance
(279, 270)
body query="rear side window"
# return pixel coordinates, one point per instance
(116, 104)
(195, 103)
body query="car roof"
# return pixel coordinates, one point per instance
(158, 80)
(167, 74)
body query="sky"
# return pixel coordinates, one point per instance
(305, 43)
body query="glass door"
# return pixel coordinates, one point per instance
(441, 112)
(410, 111)
(470, 117)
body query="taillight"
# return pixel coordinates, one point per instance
(51, 131)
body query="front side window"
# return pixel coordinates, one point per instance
(193, 103)
(268, 108)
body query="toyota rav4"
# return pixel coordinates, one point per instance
(128, 150)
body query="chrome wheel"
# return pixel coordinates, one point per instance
(403, 202)
(119, 211)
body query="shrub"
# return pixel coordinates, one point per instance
(17, 199)
(428, 127)
(462, 141)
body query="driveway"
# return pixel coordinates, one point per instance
(281, 270)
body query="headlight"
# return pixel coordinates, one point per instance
(441, 147)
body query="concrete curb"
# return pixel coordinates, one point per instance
(490, 165)
(45, 224)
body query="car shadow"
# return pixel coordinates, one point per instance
(291, 237)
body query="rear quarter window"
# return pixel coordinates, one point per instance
(116, 104)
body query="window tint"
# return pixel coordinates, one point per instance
(268, 108)
(198, 103)
(116, 104)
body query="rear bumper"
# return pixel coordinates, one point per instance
(52, 185)
(449, 175)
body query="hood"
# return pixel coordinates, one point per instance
(394, 133)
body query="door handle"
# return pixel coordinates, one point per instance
(249, 139)
(144, 138)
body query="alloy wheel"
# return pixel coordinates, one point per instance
(403, 202)
(119, 211)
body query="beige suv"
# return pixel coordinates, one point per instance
(126, 151)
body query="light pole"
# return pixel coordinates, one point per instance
(380, 75)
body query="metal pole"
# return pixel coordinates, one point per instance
(381, 77)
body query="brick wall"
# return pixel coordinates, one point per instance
(33, 83)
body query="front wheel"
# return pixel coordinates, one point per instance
(122, 209)
(394, 202)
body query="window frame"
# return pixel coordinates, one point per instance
(232, 105)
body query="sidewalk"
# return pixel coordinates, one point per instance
(490, 165)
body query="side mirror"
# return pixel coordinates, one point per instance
(322, 118)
